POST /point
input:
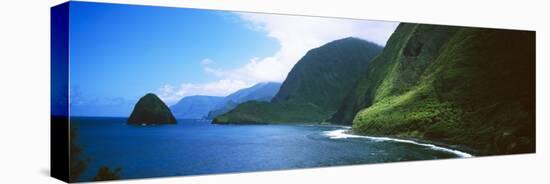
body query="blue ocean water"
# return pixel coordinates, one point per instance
(194, 147)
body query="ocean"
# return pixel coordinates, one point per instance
(196, 147)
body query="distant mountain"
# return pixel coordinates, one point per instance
(206, 107)
(259, 92)
(471, 87)
(151, 110)
(314, 88)
(195, 107)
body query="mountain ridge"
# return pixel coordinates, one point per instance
(470, 87)
(195, 107)
(263, 91)
(313, 88)
(205, 106)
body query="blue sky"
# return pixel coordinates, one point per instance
(118, 53)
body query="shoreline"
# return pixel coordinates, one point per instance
(347, 132)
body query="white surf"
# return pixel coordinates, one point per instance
(341, 134)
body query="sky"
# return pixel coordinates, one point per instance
(118, 53)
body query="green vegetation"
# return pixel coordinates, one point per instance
(465, 86)
(151, 110)
(265, 112)
(362, 94)
(314, 88)
(262, 92)
(468, 87)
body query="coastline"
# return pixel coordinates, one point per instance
(458, 150)
(347, 132)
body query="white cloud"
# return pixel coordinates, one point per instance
(295, 34)
(172, 94)
(256, 70)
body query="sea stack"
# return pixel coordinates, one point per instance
(151, 110)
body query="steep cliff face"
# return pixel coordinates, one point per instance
(151, 110)
(361, 95)
(463, 86)
(408, 53)
(314, 88)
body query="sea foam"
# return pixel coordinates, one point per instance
(341, 134)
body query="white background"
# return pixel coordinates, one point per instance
(24, 91)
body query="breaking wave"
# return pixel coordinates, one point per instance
(341, 134)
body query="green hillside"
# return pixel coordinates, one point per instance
(463, 86)
(314, 88)
(362, 94)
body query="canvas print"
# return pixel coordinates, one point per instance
(145, 91)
